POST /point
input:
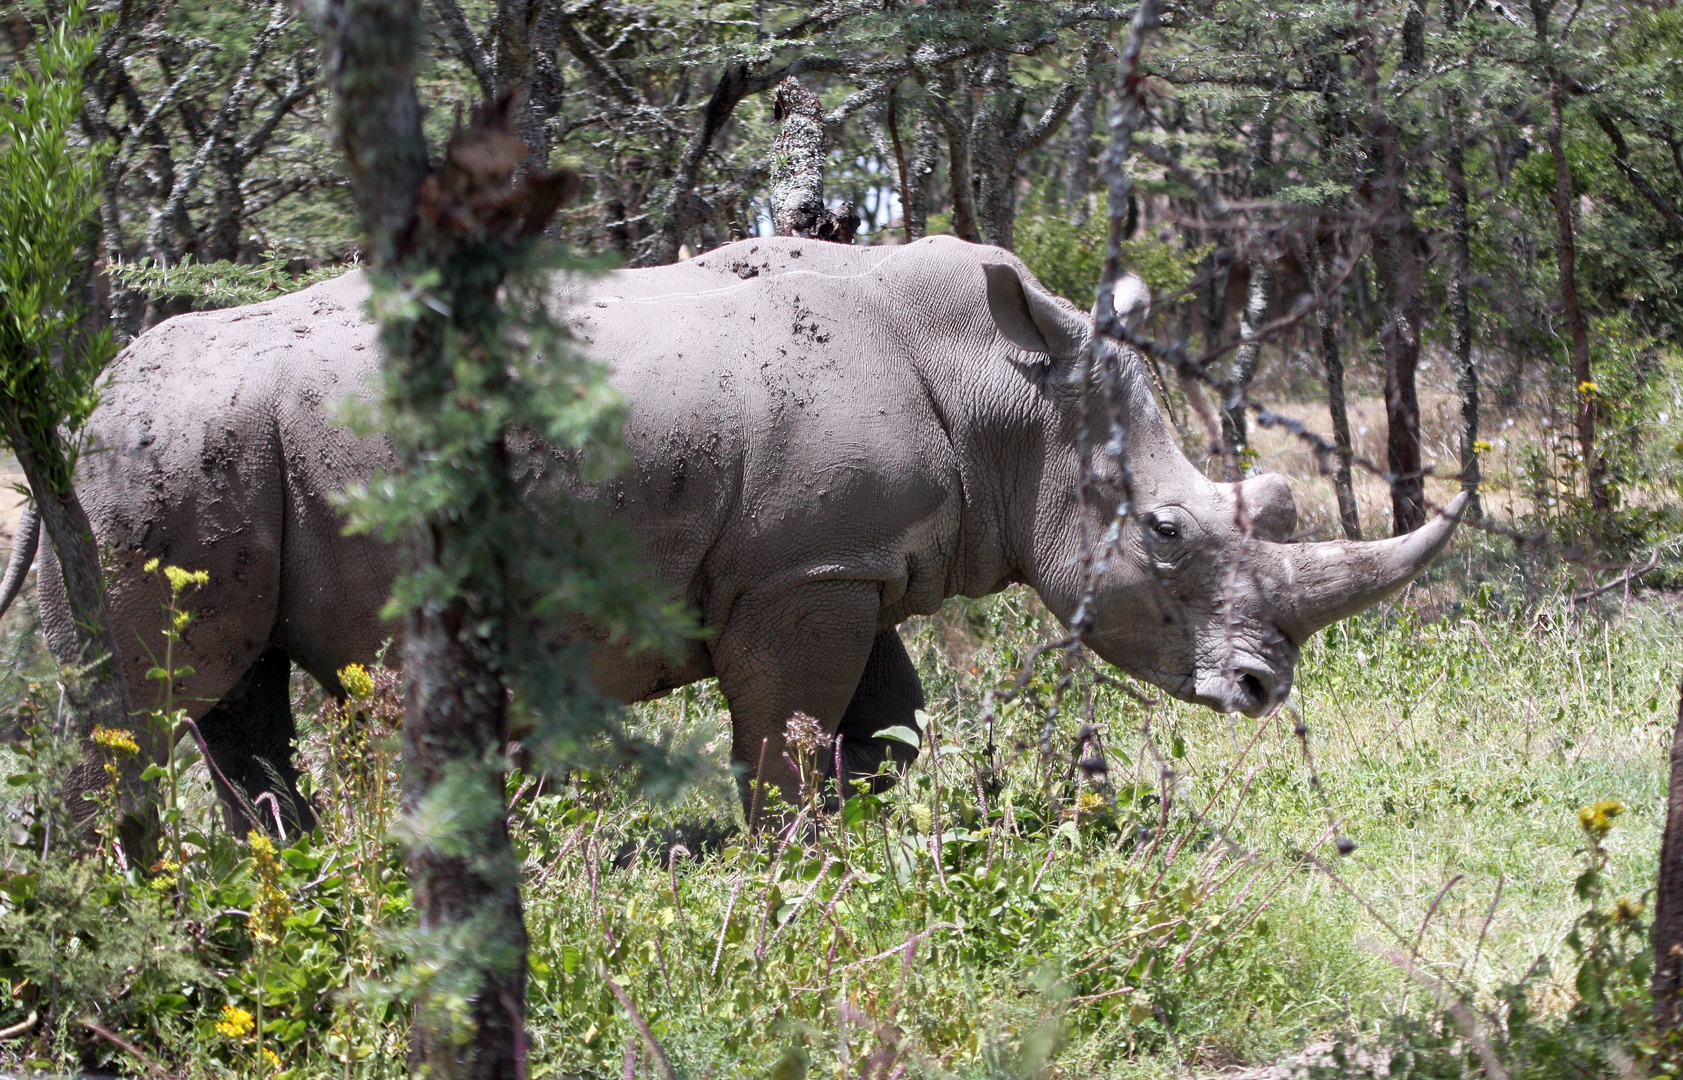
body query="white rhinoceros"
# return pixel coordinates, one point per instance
(826, 440)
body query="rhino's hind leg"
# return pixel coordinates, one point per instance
(249, 734)
(889, 696)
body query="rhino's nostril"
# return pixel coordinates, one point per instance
(1253, 688)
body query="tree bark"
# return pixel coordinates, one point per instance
(955, 117)
(1326, 69)
(1460, 313)
(95, 688)
(920, 178)
(1332, 361)
(1667, 984)
(797, 175)
(1397, 251)
(462, 867)
(1566, 261)
(1235, 428)
(891, 118)
(1398, 272)
(467, 892)
(1078, 164)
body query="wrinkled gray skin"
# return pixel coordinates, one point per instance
(827, 440)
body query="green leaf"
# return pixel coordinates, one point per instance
(900, 733)
(153, 772)
(300, 860)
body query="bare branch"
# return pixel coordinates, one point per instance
(1058, 111)
(469, 49)
(599, 68)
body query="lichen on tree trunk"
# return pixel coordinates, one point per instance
(797, 172)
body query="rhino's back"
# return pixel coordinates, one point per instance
(779, 425)
(779, 433)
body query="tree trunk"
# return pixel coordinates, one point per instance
(1566, 258)
(1326, 68)
(462, 867)
(891, 120)
(1399, 284)
(222, 238)
(514, 62)
(1235, 427)
(993, 152)
(466, 891)
(797, 175)
(1461, 330)
(1397, 253)
(1332, 360)
(920, 178)
(1396, 260)
(1078, 165)
(1667, 985)
(956, 120)
(95, 688)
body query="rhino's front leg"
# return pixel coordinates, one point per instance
(888, 696)
(797, 649)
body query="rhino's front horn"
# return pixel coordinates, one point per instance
(1325, 582)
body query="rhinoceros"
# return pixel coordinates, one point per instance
(825, 440)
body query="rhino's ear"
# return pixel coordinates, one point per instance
(1029, 317)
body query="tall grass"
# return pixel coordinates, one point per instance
(1036, 898)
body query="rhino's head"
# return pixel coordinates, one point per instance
(1201, 590)
(1187, 601)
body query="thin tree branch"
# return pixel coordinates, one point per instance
(1621, 158)
(469, 49)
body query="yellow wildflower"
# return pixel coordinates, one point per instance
(1597, 820)
(1090, 802)
(356, 681)
(235, 1022)
(150, 567)
(116, 740)
(1626, 910)
(165, 873)
(1481, 447)
(271, 1059)
(267, 920)
(1588, 389)
(179, 579)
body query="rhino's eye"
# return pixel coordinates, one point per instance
(1168, 530)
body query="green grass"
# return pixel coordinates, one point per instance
(1452, 739)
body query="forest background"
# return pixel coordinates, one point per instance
(1487, 202)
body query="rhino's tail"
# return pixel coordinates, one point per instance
(23, 555)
